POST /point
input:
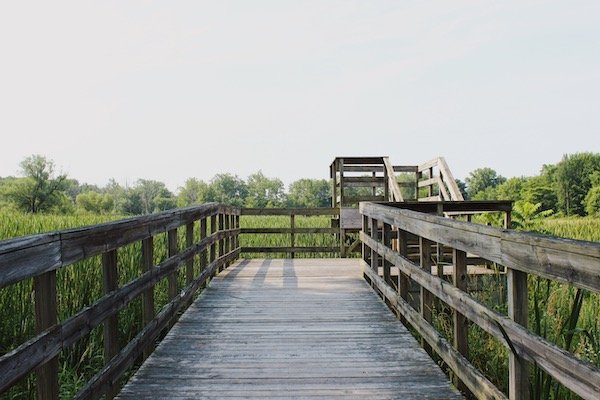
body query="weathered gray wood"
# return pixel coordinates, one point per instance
(449, 180)
(45, 317)
(396, 193)
(148, 295)
(189, 264)
(47, 345)
(579, 376)
(102, 381)
(111, 325)
(565, 260)
(289, 249)
(289, 328)
(460, 322)
(425, 247)
(477, 383)
(23, 258)
(292, 236)
(518, 369)
(172, 251)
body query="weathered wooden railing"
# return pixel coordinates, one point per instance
(436, 177)
(40, 256)
(262, 226)
(574, 262)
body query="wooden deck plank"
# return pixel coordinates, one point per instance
(302, 328)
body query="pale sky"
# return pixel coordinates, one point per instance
(168, 90)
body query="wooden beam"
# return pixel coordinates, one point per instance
(46, 317)
(111, 325)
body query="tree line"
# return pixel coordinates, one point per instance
(40, 189)
(570, 187)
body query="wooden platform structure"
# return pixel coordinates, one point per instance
(301, 328)
(283, 328)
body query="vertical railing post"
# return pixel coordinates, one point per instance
(425, 247)
(227, 218)
(374, 254)
(387, 242)
(518, 368)
(237, 235)
(189, 241)
(292, 235)
(172, 250)
(45, 317)
(203, 253)
(365, 229)
(460, 322)
(148, 296)
(111, 324)
(222, 240)
(213, 246)
(403, 282)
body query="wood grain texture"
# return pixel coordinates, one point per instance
(289, 329)
(570, 261)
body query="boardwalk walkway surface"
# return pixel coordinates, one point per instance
(302, 328)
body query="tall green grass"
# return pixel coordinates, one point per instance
(78, 286)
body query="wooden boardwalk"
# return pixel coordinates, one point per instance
(302, 328)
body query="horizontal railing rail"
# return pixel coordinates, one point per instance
(569, 261)
(290, 246)
(40, 256)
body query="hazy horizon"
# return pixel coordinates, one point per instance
(168, 91)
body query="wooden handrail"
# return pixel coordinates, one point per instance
(39, 256)
(394, 188)
(448, 188)
(292, 231)
(570, 261)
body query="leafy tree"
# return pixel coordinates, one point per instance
(264, 192)
(592, 198)
(539, 189)
(481, 179)
(193, 192)
(510, 189)
(154, 196)
(309, 193)
(228, 189)
(40, 190)
(573, 181)
(527, 216)
(95, 202)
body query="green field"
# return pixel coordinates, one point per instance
(552, 305)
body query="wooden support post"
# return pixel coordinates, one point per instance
(365, 229)
(222, 241)
(439, 268)
(45, 317)
(425, 248)
(227, 222)
(518, 368)
(374, 254)
(334, 184)
(341, 189)
(237, 236)
(430, 187)
(292, 236)
(189, 241)
(213, 246)
(387, 241)
(403, 282)
(461, 324)
(203, 253)
(111, 324)
(172, 250)
(148, 296)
